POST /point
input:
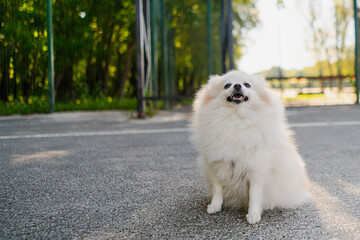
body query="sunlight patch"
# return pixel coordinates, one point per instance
(41, 156)
(332, 212)
(349, 188)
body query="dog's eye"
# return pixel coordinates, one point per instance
(227, 85)
(247, 85)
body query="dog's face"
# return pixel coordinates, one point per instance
(237, 89)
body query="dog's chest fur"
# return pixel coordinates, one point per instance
(232, 171)
(235, 181)
(233, 140)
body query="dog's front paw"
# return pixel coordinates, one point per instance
(213, 208)
(253, 218)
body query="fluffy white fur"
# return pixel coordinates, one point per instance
(247, 152)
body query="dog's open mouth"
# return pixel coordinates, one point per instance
(237, 98)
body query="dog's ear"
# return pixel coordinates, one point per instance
(214, 85)
(209, 91)
(214, 80)
(262, 91)
(260, 81)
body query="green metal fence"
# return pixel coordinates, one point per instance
(178, 42)
(357, 42)
(94, 47)
(187, 41)
(308, 90)
(93, 51)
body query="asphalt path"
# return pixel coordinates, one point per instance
(100, 175)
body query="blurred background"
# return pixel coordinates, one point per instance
(114, 54)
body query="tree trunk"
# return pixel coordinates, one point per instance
(185, 90)
(64, 90)
(4, 84)
(25, 77)
(102, 56)
(90, 75)
(14, 87)
(192, 83)
(58, 79)
(107, 60)
(124, 76)
(33, 71)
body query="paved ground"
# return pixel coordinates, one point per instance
(101, 176)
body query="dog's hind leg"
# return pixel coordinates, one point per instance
(217, 196)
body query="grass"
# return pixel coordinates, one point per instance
(40, 105)
(311, 95)
(306, 96)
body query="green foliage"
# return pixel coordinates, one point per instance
(91, 41)
(99, 103)
(94, 50)
(321, 68)
(188, 19)
(41, 105)
(32, 105)
(306, 98)
(328, 44)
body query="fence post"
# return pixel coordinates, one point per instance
(154, 41)
(49, 19)
(357, 70)
(209, 39)
(164, 55)
(230, 36)
(226, 35)
(140, 60)
(223, 36)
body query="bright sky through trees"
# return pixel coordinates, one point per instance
(284, 37)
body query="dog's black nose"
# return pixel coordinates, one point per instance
(237, 86)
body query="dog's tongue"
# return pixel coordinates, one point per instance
(237, 97)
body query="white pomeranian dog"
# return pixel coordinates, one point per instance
(247, 153)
